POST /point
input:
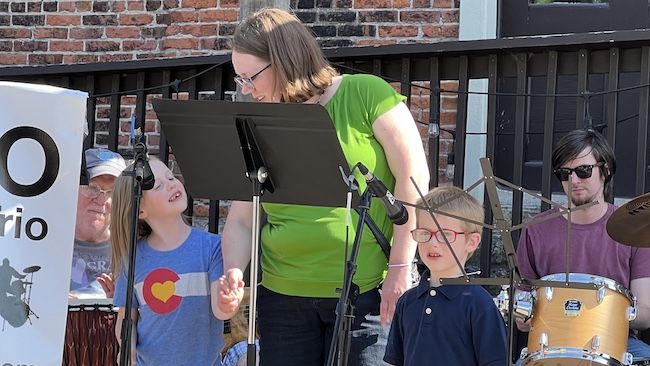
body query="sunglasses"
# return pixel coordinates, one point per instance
(249, 81)
(423, 235)
(582, 171)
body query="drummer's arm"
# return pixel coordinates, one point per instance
(640, 287)
(134, 334)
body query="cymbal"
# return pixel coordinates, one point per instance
(31, 269)
(630, 223)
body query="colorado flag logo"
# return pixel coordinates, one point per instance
(163, 290)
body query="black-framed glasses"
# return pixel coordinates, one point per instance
(249, 81)
(93, 191)
(422, 235)
(582, 171)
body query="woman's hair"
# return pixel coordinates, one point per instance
(292, 50)
(573, 143)
(122, 204)
(463, 205)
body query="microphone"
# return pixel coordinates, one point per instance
(143, 173)
(396, 211)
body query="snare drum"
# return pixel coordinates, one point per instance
(580, 326)
(90, 333)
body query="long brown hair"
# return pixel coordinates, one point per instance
(122, 207)
(292, 50)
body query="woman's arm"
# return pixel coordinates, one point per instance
(398, 135)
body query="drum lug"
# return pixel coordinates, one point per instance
(601, 294)
(549, 293)
(543, 341)
(523, 353)
(595, 343)
(631, 313)
(627, 358)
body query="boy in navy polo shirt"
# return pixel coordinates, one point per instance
(438, 324)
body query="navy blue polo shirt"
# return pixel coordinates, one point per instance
(446, 325)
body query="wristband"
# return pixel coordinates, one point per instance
(398, 265)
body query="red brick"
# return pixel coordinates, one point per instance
(173, 30)
(422, 3)
(122, 32)
(135, 19)
(374, 42)
(398, 31)
(449, 85)
(450, 16)
(102, 46)
(180, 43)
(199, 30)
(13, 59)
(445, 31)
(218, 16)
(148, 45)
(401, 3)
(86, 33)
(66, 46)
(449, 103)
(135, 5)
(68, 6)
(420, 17)
(14, 33)
(61, 20)
(44, 59)
(448, 117)
(117, 6)
(77, 58)
(184, 16)
(228, 4)
(372, 4)
(443, 4)
(199, 4)
(84, 6)
(60, 33)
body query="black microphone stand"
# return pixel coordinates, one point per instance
(342, 334)
(140, 161)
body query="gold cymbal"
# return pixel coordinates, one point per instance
(630, 223)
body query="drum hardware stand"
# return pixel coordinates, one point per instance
(514, 279)
(143, 180)
(274, 147)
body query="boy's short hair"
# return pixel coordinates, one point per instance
(463, 205)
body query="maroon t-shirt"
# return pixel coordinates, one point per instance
(542, 251)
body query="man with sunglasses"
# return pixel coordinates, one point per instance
(91, 274)
(585, 163)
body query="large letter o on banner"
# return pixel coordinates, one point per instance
(52, 161)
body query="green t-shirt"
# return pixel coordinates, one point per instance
(303, 247)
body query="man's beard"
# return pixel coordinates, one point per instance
(579, 201)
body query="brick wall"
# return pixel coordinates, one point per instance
(40, 32)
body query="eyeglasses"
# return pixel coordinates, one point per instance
(582, 171)
(248, 82)
(422, 235)
(94, 191)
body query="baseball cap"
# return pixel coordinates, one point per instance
(103, 161)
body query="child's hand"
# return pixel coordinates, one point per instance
(231, 291)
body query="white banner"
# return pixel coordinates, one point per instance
(41, 136)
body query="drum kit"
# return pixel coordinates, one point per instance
(14, 300)
(574, 326)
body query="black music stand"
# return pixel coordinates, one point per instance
(287, 150)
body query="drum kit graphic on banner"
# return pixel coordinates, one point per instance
(15, 294)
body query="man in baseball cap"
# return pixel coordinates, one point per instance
(90, 276)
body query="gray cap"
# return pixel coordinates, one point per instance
(102, 161)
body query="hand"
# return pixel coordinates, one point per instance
(71, 296)
(231, 290)
(397, 281)
(522, 325)
(108, 284)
